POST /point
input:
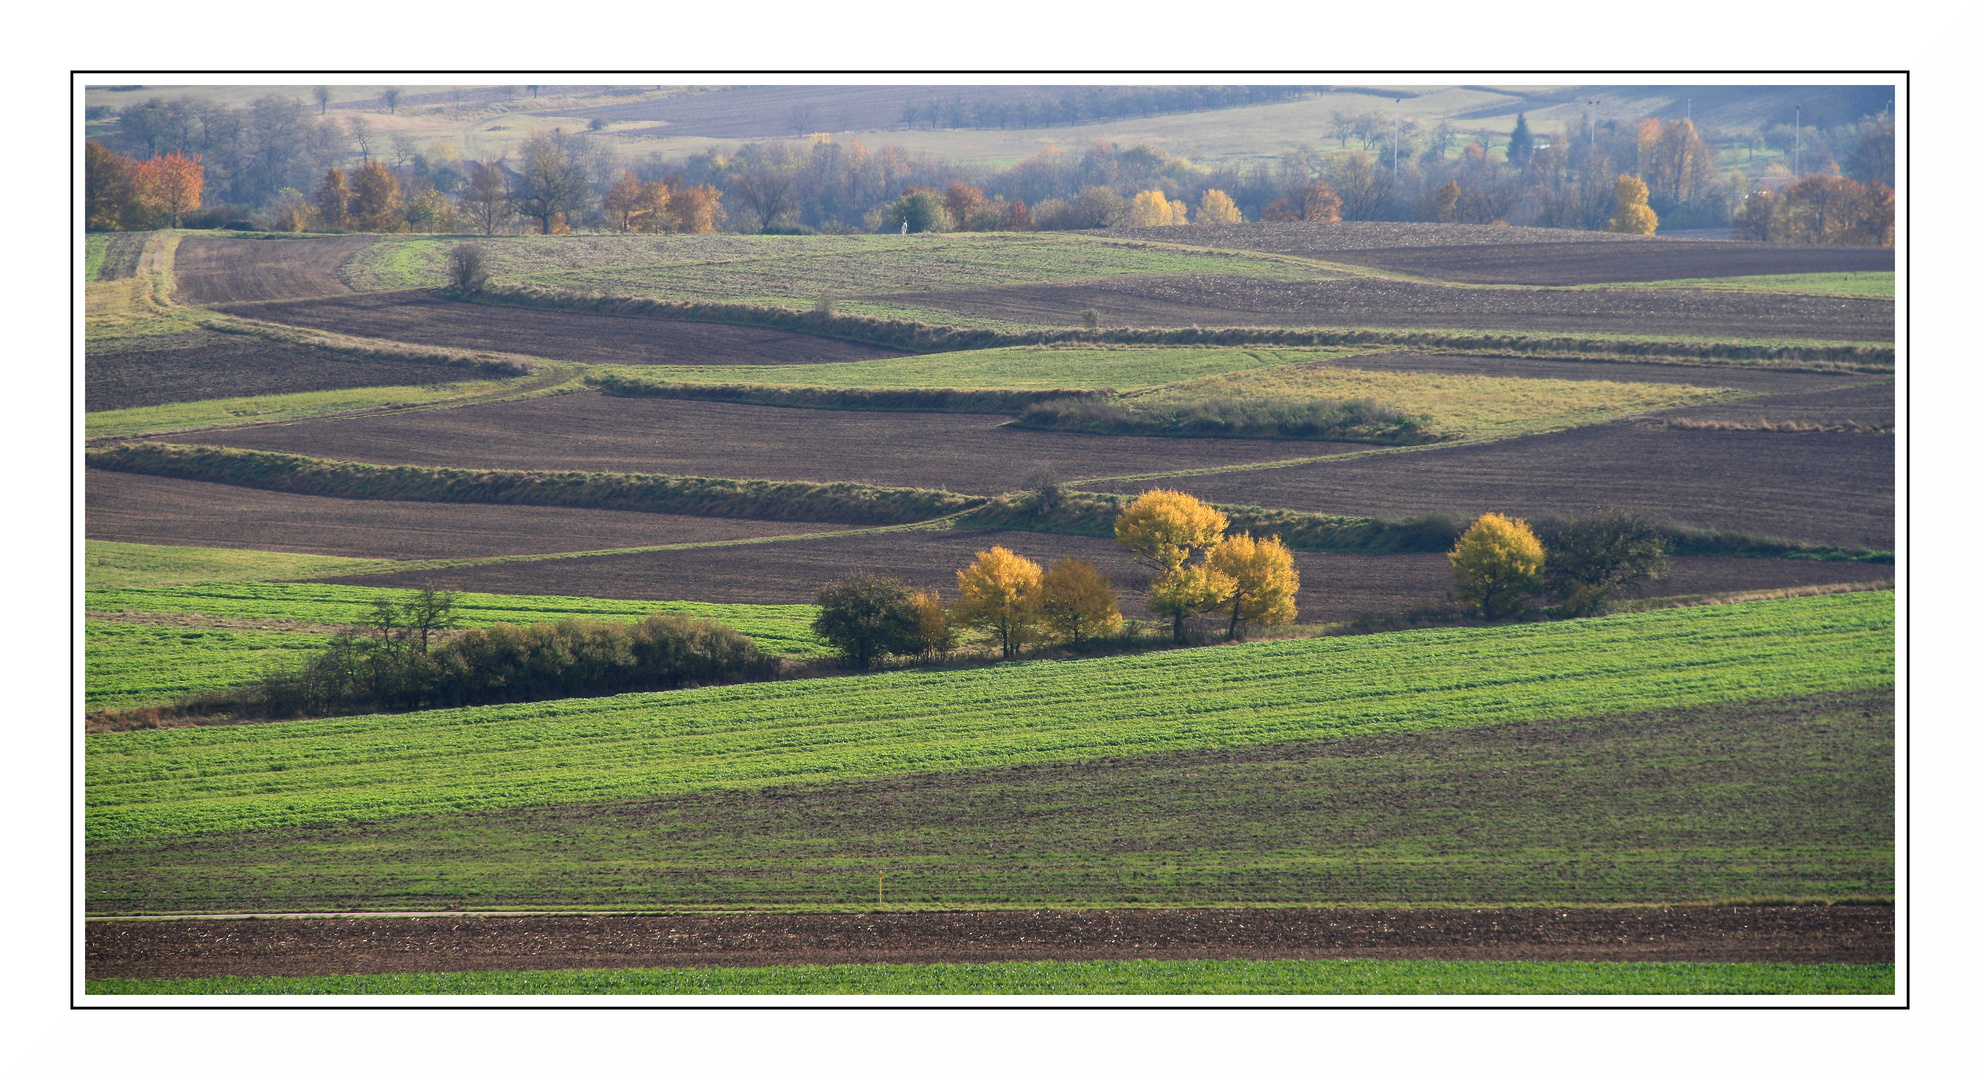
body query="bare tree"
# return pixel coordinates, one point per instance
(766, 190)
(392, 95)
(800, 118)
(485, 198)
(322, 96)
(361, 133)
(552, 180)
(404, 150)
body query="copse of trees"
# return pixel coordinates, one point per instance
(1821, 210)
(1198, 570)
(151, 193)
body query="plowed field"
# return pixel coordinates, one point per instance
(159, 510)
(1209, 300)
(1817, 486)
(956, 452)
(559, 335)
(198, 365)
(1332, 586)
(331, 946)
(215, 270)
(1514, 255)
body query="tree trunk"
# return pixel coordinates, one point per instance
(1179, 634)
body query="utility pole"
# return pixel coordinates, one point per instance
(1797, 142)
(1591, 124)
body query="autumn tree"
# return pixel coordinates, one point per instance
(866, 617)
(467, 268)
(1837, 210)
(1263, 579)
(1077, 601)
(1496, 565)
(107, 187)
(333, 200)
(1000, 594)
(485, 197)
(1164, 530)
(166, 188)
(1150, 208)
(377, 204)
(623, 200)
(935, 625)
(1216, 208)
(551, 183)
(965, 205)
(696, 209)
(1633, 214)
(1314, 202)
(1444, 203)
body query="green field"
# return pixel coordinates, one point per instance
(127, 665)
(1858, 283)
(214, 780)
(108, 564)
(1783, 798)
(801, 269)
(1029, 367)
(1090, 977)
(180, 416)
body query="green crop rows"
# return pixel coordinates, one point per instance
(1088, 977)
(127, 665)
(109, 564)
(214, 780)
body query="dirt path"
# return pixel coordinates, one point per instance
(337, 946)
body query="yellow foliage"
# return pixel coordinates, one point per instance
(934, 623)
(1189, 590)
(1151, 208)
(1633, 213)
(1496, 565)
(1000, 593)
(1077, 601)
(1164, 528)
(1217, 209)
(1263, 577)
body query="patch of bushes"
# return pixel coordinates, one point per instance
(1231, 417)
(887, 399)
(773, 500)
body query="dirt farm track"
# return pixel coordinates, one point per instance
(204, 948)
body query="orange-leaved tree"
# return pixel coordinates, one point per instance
(1000, 594)
(1263, 581)
(377, 204)
(1077, 601)
(169, 187)
(1496, 565)
(1633, 214)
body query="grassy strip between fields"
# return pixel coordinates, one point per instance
(1860, 283)
(1123, 977)
(109, 564)
(773, 500)
(215, 412)
(212, 780)
(925, 337)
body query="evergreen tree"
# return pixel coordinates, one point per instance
(1521, 146)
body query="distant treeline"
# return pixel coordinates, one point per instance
(1091, 104)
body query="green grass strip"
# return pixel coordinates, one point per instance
(213, 780)
(1331, 977)
(1863, 283)
(111, 564)
(772, 500)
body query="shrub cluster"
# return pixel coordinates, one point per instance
(1339, 419)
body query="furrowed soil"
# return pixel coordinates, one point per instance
(1213, 300)
(1333, 587)
(198, 365)
(972, 454)
(1822, 487)
(219, 270)
(1514, 255)
(158, 510)
(421, 318)
(1788, 797)
(207, 948)
(1874, 405)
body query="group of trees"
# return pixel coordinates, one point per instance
(153, 193)
(1582, 564)
(266, 161)
(1196, 569)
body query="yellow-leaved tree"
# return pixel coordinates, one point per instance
(1151, 208)
(1077, 601)
(1000, 594)
(1263, 581)
(1633, 213)
(1496, 565)
(1164, 530)
(1217, 209)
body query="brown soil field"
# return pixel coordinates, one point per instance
(198, 365)
(157, 510)
(1871, 405)
(1823, 487)
(1333, 586)
(205, 948)
(968, 453)
(220, 270)
(1517, 255)
(1210, 300)
(1756, 380)
(420, 317)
